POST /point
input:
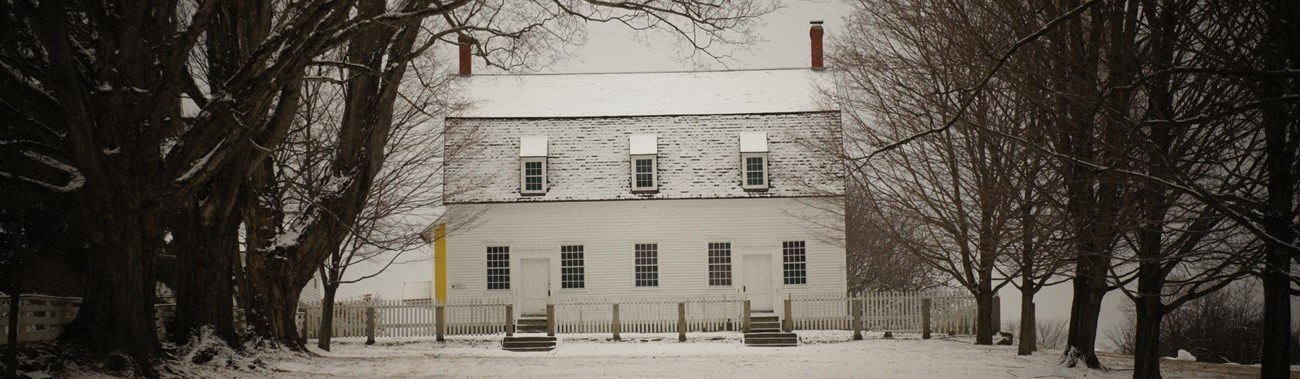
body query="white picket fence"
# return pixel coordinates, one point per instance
(950, 311)
(648, 314)
(40, 317)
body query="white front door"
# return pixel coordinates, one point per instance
(758, 282)
(536, 286)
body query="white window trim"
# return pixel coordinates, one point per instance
(523, 175)
(744, 171)
(654, 173)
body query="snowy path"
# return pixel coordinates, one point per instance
(721, 355)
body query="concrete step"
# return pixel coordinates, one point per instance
(764, 319)
(764, 325)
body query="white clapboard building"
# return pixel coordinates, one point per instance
(625, 185)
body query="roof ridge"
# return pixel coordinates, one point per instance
(507, 74)
(638, 115)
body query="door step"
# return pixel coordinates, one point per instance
(530, 324)
(528, 343)
(771, 339)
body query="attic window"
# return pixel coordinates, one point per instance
(753, 161)
(532, 165)
(644, 151)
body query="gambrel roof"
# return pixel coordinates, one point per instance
(588, 157)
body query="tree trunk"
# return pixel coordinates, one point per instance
(1275, 361)
(984, 314)
(116, 313)
(208, 243)
(327, 317)
(1280, 43)
(1084, 311)
(1146, 353)
(273, 308)
(1028, 324)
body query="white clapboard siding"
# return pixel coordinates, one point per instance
(682, 229)
(40, 318)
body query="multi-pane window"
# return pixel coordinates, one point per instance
(795, 261)
(647, 264)
(755, 172)
(498, 267)
(644, 174)
(720, 264)
(534, 176)
(572, 272)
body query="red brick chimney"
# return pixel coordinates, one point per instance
(815, 32)
(466, 63)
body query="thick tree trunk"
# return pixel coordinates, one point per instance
(1028, 324)
(208, 243)
(1084, 311)
(116, 313)
(327, 317)
(273, 308)
(1150, 312)
(984, 318)
(1276, 358)
(1281, 41)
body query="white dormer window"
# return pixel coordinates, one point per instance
(644, 151)
(753, 161)
(532, 165)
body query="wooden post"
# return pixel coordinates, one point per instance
(510, 320)
(370, 325)
(925, 319)
(745, 326)
(616, 327)
(997, 315)
(681, 322)
(440, 317)
(550, 320)
(857, 319)
(788, 323)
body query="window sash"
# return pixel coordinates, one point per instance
(533, 174)
(720, 264)
(643, 173)
(572, 270)
(794, 257)
(646, 264)
(755, 171)
(498, 267)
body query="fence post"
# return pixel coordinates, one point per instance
(788, 324)
(857, 318)
(925, 319)
(370, 325)
(745, 326)
(997, 314)
(616, 327)
(440, 322)
(510, 320)
(550, 320)
(681, 322)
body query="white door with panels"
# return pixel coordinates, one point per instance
(535, 288)
(758, 282)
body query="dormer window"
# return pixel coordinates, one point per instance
(753, 161)
(644, 151)
(532, 165)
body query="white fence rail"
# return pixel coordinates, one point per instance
(40, 317)
(648, 314)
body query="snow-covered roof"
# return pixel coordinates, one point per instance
(643, 144)
(532, 146)
(753, 142)
(649, 93)
(698, 156)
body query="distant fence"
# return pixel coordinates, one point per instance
(40, 317)
(948, 312)
(944, 311)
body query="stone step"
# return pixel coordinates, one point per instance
(531, 321)
(765, 325)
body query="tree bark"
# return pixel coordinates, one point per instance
(1028, 325)
(984, 308)
(117, 311)
(327, 317)
(1150, 313)
(208, 242)
(1084, 311)
(1279, 156)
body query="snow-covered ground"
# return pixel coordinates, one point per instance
(822, 354)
